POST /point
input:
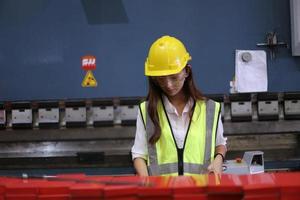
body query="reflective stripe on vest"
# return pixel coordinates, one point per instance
(199, 145)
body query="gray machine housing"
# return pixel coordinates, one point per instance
(252, 163)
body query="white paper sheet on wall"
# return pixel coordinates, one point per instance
(251, 71)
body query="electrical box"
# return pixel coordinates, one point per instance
(252, 163)
(291, 105)
(268, 107)
(48, 114)
(128, 111)
(75, 114)
(241, 107)
(102, 113)
(21, 115)
(295, 26)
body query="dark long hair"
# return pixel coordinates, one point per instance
(154, 96)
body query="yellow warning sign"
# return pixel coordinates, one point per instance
(89, 80)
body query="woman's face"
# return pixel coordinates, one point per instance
(171, 84)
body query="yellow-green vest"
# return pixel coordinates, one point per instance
(165, 158)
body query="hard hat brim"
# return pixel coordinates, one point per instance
(162, 73)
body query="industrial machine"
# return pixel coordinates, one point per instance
(99, 133)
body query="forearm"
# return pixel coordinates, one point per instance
(221, 149)
(140, 167)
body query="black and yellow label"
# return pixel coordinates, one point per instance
(89, 80)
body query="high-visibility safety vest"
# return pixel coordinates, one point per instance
(165, 158)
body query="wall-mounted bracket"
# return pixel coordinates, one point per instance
(272, 43)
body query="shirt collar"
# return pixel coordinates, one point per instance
(171, 109)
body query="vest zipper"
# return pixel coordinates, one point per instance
(180, 161)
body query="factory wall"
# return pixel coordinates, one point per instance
(42, 42)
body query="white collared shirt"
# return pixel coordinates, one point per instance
(179, 126)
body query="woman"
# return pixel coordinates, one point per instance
(179, 131)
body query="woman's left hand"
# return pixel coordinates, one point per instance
(216, 166)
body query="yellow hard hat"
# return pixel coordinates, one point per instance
(167, 56)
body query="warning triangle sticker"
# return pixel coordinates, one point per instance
(89, 80)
